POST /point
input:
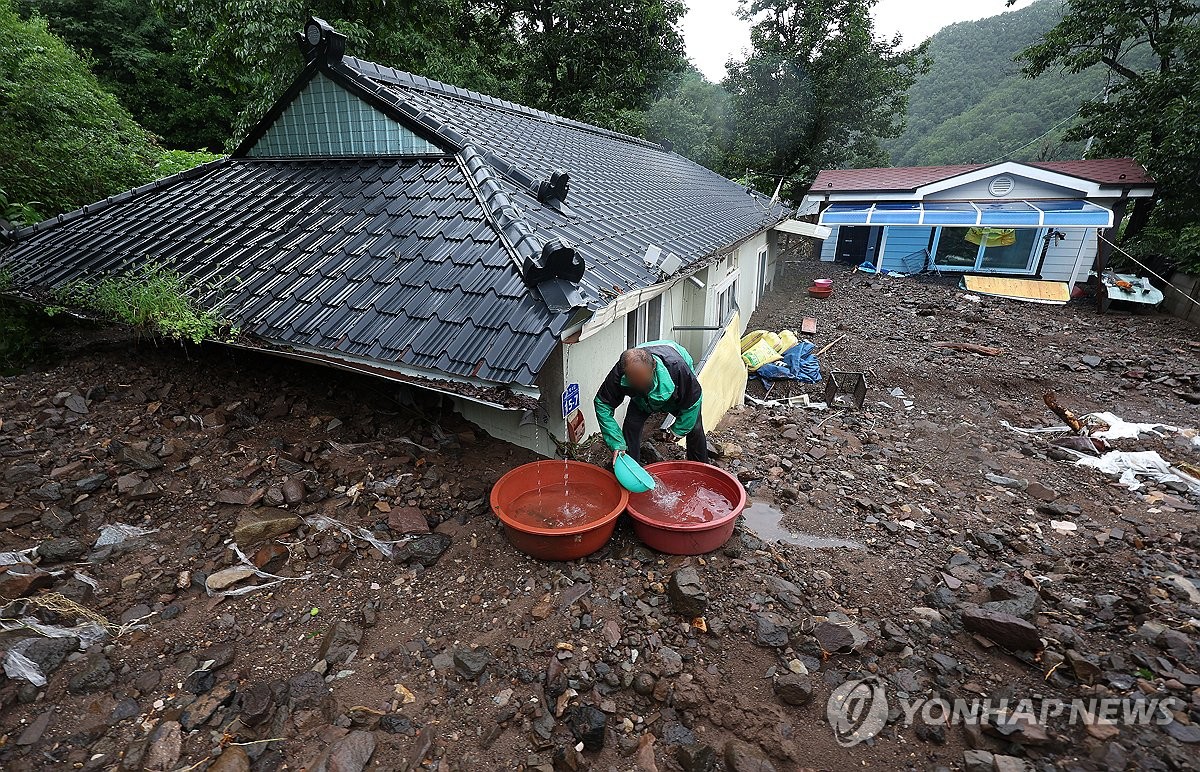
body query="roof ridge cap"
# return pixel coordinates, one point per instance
(514, 230)
(420, 82)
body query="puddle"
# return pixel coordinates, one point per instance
(764, 520)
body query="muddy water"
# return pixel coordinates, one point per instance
(561, 505)
(765, 521)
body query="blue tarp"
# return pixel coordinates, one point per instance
(799, 363)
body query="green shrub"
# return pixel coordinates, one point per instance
(151, 298)
(64, 140)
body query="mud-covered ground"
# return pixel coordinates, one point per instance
(393, 626)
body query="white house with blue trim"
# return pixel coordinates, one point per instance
(1033, 220)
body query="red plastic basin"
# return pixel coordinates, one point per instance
(558, 510)
(692, 509)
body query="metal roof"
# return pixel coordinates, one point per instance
(1105, 171)
(419, 262)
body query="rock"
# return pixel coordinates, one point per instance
(770, 630)
(349, 753)
(97, 674)
(1087, 669)
(227, 577)
(611, 632)
(1041, 492)
(588, 725)
(19, 473)
(687, 594)
(91, 483)
(672, 662)
(420, 749)
(644, 683)
(1008, 764)
(164, 746)
(794, 689)
(239, 497)
(232, 759)
(293, 491)
(257, 703)
(470, 663)
(206, 705)
(1184, 733)
(140, 459)
(977, 761)
(22, 580)
(402, 520)
(340, 643)
(76, 404)
(264, 524)
(1183, 587)
(49, 653)
(307, 690)
(1091, 360)
(840, 638)
(788, 593)
(36, 729)
(1006, 630)
(697, 758)
(424, 549)
(60, 550)
(643, 755)
(740, 757)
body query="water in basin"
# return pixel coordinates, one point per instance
(561, 504)
(677, 501)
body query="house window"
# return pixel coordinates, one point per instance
(1000, 250)
(761, 289)
(726, 302)
(644, 323)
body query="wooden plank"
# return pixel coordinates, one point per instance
(1029, 290)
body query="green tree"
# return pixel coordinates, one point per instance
(1150, 113)
(595, 60)
(694, 115)
(131, 47)
(66, 141)
(819, 89)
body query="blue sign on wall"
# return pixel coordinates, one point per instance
(570, 399)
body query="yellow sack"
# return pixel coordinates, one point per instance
(787, 339)
(759, 354)
(750, 338)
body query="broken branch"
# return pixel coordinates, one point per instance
(974, 348)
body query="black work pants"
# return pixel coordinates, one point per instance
(635, 422)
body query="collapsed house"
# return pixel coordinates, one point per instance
(378, 221)
(1032, 220)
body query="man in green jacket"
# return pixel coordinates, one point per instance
(658, 377)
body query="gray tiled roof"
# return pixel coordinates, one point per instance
(409, 261)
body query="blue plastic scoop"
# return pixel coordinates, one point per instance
(631, 475)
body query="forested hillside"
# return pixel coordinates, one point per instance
(974, 106)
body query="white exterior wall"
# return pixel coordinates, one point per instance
(829, 246)
(586, 363)
(1071, 259)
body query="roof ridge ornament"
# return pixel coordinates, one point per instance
(321, 40)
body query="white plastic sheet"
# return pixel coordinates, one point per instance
(115, 533)
(17, 665)
(323, 523)
(1128, 466)
(1120, 429)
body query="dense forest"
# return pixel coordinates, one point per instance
(97, 96)
(974, 105)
